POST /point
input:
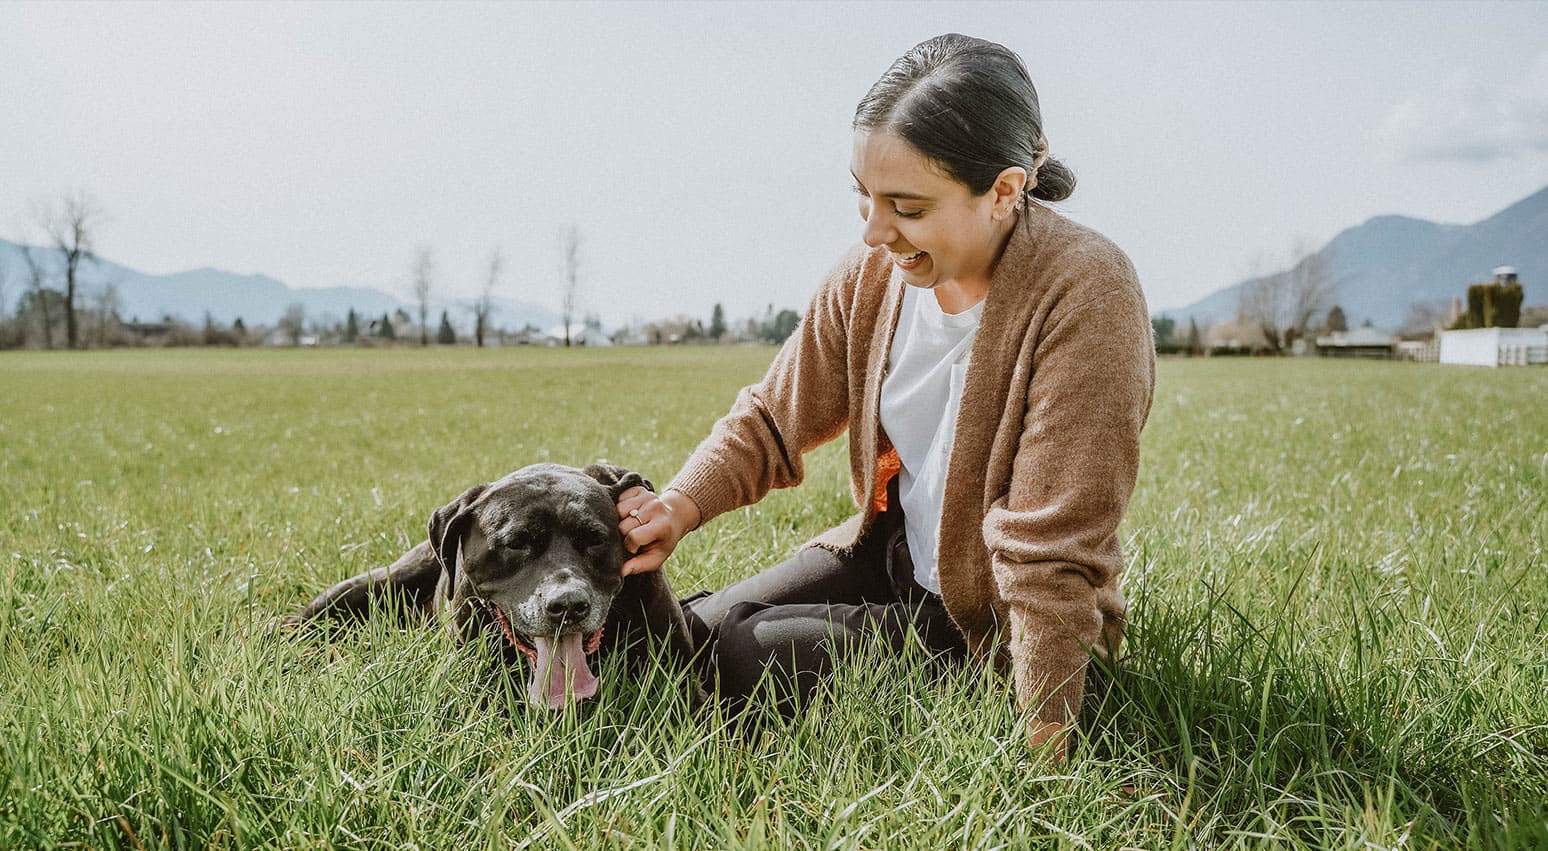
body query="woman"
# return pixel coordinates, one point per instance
(993, 364)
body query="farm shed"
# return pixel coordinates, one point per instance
(1495, 346)
(1362, 342)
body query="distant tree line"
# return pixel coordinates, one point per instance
(772, 327)
(52, 310)
(1193, 340)
(1172, 340)
(107, 329)
(39, 321)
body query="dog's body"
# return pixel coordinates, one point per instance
(533, 558)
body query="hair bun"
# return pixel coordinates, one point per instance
(970, 106)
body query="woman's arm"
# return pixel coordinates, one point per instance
(1053, 537)
(801, 403)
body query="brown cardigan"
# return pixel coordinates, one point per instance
(1046, 453)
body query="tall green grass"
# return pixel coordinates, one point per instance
(1337, 578)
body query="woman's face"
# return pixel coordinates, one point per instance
(937, 230)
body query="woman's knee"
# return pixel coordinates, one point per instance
(740, 659)
(783, 650)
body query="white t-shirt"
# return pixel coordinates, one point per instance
(919, 401)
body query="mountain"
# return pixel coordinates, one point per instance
(257, 299)
(1390, 262)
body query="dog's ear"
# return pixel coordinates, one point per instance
(447, 526)
(617, 479)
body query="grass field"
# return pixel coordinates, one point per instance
(1337, 573)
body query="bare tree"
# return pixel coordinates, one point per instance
(5, 280)
(293, 323)
(1283, 304)
(105, 307)
(36, 278)
(571, 275)
(70, 229)
(423, 271)
(1311, 285)
(1260, 302)
(1424, 317)
(485, 304)
(10, 334)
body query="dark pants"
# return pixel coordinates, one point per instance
(792, 622)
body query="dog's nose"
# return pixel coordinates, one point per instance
(569, 605)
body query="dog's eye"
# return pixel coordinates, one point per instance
(585, 539)
(524, 539)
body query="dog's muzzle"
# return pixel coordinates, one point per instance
(560, 673)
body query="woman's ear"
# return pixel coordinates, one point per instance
(1007, 191)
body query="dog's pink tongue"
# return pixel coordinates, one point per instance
(560, 671)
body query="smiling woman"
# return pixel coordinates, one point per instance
(993, 364)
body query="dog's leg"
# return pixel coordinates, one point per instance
(407, 585)
(646, 609)
(647, 615)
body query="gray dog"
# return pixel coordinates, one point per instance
(533, 558)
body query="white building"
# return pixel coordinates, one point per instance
(580, 335)
(1495, 346)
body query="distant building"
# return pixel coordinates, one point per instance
(631, 337)
(525, 337)
(1362, 342)
(580, 335)
(147, 333)
(1495, 346)
(1237, 337)
(280, 338)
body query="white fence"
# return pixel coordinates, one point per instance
(1523, 355)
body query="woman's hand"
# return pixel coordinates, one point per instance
(1049, 741)
(652, 525)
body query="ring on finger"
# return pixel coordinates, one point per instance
(635, 513)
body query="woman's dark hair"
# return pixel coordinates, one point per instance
(969, 105)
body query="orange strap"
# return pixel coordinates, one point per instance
(887, 466)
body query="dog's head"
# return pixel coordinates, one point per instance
(538, 554)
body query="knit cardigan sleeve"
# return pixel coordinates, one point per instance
(1053, 538)
(801, 403)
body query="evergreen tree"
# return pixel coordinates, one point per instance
(1507, 305)
(239, 330)
(351, 327)
(1336, 320)
(783, 326)
(1494, 305)
(445, 335)
(1195, 344)
(717, 326)
(385, 330)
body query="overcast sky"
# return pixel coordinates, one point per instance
(703, 150)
